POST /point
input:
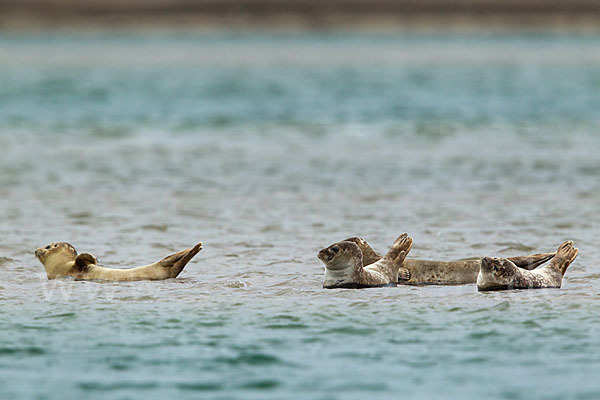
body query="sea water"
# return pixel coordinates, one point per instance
(267, 148)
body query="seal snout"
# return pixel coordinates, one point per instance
(324, 255)
(38, 252)
(486, 263)
(329, 253)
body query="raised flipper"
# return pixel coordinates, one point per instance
(397, 253)
(83, 260)
(176, 262)
(532, 261)
(565, 255)
(402, 244)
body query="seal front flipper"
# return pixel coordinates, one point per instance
(403, 274)
(83, 260)
(402, 243)
(176, 262)
(394, 259)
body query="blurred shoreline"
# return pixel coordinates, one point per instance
(374, 15)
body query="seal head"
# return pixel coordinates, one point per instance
(55, 249)
(500, 271)
(58, 258)
(344, 265)
(502, 274)
(370, 256)
(340, 256)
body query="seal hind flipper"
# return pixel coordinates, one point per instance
(531, 261)
(176, 262)
(83, 260)
(565, 255)
(403, 274)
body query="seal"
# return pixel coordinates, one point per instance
(344, 267)
(503, 274)
(458, 272)
(60, 260)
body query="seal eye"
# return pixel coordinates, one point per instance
(47, 247)
(335, 249)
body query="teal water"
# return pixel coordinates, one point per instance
(266, 149)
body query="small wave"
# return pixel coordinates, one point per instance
(475, 360)
(350, 330)
(208, 324)
(530, 323)
(286, 326)
(251, 359)
(592, 276)
(262, 384)
(119, 367)
(64, 315)
(271, 228)
(117, 386)
(252, 245)
(516, 247)
(159, 228)
(138, 298)
(563, 225)
(23, 351)
(483, 335)
(421, 363)
(502, 306)
(286, 261)
(5, 260)
(200, 386)
(80, 215)
(285, 317)
(237, 285)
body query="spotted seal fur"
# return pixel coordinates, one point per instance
(60, 260)
(344, 265)
(458, 272)
(503, 274)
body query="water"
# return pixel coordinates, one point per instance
(268, 148)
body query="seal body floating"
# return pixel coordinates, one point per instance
(503, 274)
(458, 272)
(61, 259)
(344, 265)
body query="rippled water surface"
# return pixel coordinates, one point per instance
(266, 149)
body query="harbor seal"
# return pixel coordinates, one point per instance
(344, 265)
(60, 259)
(503, 274)
(458, 272)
